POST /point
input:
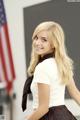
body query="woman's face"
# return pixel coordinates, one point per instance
(41, 43)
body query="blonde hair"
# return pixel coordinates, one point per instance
(57, 38)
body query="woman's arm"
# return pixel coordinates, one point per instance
(43, 94)
(73, 91)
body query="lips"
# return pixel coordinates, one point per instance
(39, 48)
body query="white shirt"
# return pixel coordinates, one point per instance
(46, 72)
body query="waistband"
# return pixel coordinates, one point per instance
(57, 107)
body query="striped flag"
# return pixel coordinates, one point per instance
(7, 73)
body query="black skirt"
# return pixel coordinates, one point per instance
(58, 113)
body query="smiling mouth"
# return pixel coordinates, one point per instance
(39, 48)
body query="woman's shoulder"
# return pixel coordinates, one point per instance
(47, 64)
(47, 68)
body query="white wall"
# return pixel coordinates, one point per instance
(14, 11)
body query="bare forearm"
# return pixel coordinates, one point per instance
(76, 96)
(37, 114)
(73, 91)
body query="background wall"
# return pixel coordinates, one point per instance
(14, 11)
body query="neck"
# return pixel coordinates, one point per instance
(46, 56)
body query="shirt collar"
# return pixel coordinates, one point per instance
(49, 55)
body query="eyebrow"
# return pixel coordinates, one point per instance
(41, 37)
(35, 36)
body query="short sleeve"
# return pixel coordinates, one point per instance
(41, 75)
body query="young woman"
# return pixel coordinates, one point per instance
(52, 71)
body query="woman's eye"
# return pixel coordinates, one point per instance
(44, 40)
(35, 38)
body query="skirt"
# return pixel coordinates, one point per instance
(58, 113)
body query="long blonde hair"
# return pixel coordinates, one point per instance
(57, 38)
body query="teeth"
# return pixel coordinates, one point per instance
(39, 48)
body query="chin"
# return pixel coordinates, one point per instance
(38, 53)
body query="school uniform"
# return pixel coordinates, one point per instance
(46, 72)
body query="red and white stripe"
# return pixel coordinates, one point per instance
(7, 73)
